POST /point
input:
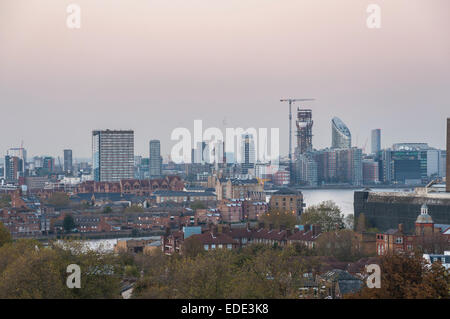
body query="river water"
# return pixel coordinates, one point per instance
(342, 197)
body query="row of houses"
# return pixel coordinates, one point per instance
(233, 238)
(428, 236)
(138, 187)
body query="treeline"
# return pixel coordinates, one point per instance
(256, 271)
(30, 270)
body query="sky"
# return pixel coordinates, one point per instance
(155, 65)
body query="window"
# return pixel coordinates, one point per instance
(213, 246)
(229, 246)
(206, 247)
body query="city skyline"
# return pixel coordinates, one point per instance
(129, 64)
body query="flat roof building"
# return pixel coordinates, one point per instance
(112, 155)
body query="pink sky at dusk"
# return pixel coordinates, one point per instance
(154, 65)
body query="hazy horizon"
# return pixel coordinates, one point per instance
(152, 66)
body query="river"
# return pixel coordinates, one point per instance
(342, 197)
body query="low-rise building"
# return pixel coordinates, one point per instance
(289, 200)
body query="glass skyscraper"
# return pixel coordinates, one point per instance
(341, 137)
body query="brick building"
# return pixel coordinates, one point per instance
(289, 200)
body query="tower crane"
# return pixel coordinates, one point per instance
(290, 102)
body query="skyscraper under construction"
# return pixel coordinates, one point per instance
(304, 131)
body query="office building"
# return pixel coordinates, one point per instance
(370, 172)
(48, 164)
(112, 155)
(339, 166)
(155, 159)
(248, 155)
(13, 168)
(376, 141)
(442, 163)
(340, 134)
(19, 152)
(68, 164)
(306, 170)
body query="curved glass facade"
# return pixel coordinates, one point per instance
(341, 137)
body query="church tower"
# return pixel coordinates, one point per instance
(424, 222)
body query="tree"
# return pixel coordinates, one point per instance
(68, 223)
(361, 224)
(349, 221)
(192, 247)
(30, 271)
(341, 244)
(134, 209)
(107, 210)
(279, 218)
(198, 205)
(5, 200)
(58, 199)
(406, 276)
(5, 235)
(326, 214)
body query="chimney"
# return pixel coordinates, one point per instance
(447, 179)
(400, 228)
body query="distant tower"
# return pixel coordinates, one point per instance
(304, 131)
(248, 153)
(12, 168)
(340, 134)
(68, 161)
(155, 159)
(424, 222)
(112, 155)
(448, 156)
(376, 141)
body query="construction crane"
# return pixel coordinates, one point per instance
(290, 101)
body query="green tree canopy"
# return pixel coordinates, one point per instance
(279, 218)
(134, 209)
(58, 199)
(5, 235)
(341, 244)
(198, 205)
(69, 223)
(326, 214)
(408, 277)
(28, 270)
(361, 225)
(5, 200)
